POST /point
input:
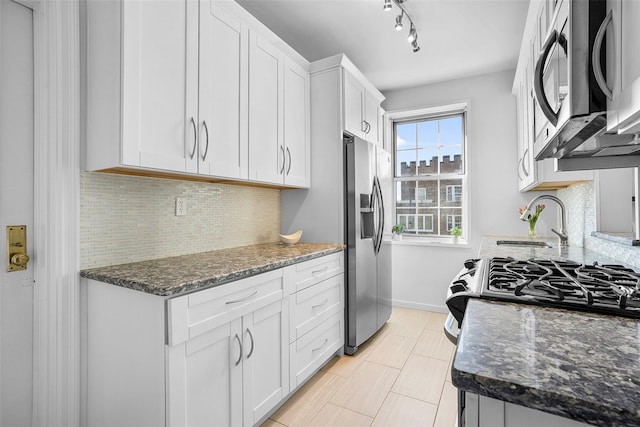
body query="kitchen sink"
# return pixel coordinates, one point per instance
(528, 243)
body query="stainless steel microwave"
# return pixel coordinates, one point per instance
(565, 87)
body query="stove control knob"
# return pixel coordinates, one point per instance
(470, 263)
(459, 285)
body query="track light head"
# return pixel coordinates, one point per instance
(413, 35)
(399, 21)
(387, 5)
(414, 45)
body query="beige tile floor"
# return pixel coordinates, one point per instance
(400, 377)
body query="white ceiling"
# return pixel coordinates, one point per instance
(458, 38)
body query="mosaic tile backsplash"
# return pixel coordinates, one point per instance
(128, 219)
(579, 200)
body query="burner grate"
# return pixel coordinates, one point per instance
(601, 288)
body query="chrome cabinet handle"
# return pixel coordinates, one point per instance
(284, 160)
(595, 56)
(322, 270)
(195, 138)
(326, 300)
(250, 336)
(326, 340)
(520, 167)
(243, 299)
(289, 154)
(206, 130)
(240, 354)
(538, 84)
(524, 168)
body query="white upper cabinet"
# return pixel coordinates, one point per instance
(279, 116)
(266, 141)
(297, 125)
(361, 110)
(138, 67)
(223, 84)
(622, 65)
(186, 88)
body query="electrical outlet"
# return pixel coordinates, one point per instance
(181, 206)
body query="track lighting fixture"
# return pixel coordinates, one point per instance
(413, 33)
(399, 21)
(414, 45)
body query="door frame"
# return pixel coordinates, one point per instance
(57, 128)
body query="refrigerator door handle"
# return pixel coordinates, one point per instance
(381, 215)
(379, 218)
(373, 204)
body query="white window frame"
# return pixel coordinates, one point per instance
(451, 193)
(451, 221)
(391, 117)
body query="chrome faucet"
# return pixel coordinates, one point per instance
(562, 234)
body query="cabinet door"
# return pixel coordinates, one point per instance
(266, 360)
(266, 146)
(223, 93)
(205, 378)
(353, 118)
(296, 125)
(158, 76)
(371, 117)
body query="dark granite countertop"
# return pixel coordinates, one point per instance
(577, 365)
(181, 274)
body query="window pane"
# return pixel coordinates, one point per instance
(405, 163)
(451, 131)
(428, 134)
(428, 161)
(405, 136)
(430, 191)
(450, 217)
(451, 192)
(451, 159)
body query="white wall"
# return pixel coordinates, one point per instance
(421, 274)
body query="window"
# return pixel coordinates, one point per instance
(430, 172)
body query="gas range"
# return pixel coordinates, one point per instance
(608, 289)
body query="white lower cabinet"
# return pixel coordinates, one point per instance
(223, 356)
(317, 314)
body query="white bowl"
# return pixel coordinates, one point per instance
(291, 239)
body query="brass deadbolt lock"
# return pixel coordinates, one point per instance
(17, 257)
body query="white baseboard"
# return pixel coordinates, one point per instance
(420, 306)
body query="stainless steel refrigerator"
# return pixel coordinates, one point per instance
(367, 186)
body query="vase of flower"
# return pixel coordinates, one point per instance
(532, 219)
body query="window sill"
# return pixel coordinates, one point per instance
(462, 244)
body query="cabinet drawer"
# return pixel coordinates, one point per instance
(308, 273)
(191, 315)
(315, 304)
(314, 349)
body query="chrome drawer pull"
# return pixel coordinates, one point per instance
(323, 344)
(322, 270)
(321, 304)
(243, 299)
(250, 336)
(240, 354)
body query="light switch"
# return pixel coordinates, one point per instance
(181, 206)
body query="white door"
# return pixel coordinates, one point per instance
(159, 84)
(16, 208)
(265, 373)
(296, 125)
(223, 93)
(266, 144)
